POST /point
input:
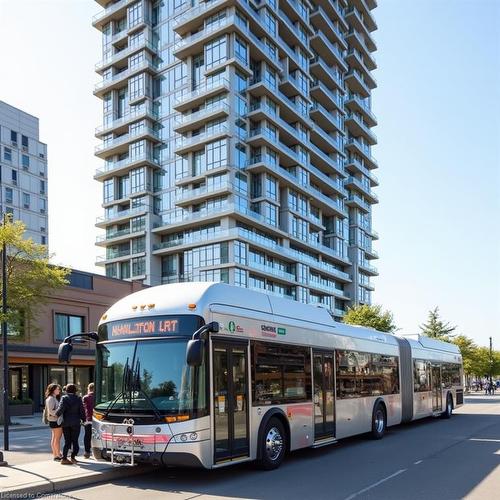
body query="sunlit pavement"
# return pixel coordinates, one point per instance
(430, 459)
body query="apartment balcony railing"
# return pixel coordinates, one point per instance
(205, 190)
(111, 59)
(220, 107)
(184, 143)
(195, 12)
(109, 236)
(363, 107)
(209, 87)
(271, 292)
(336, 120)
(328, 288)
(112, 9)
(271, 270)
(334, 75)
(363, 127)
(364, 170)
(118, 165)
(132, 114)
(368, 268)
(339, 56)
(126, 138)
(369, 59)
(362, 187)
(100, 86)
(354, 199)
(335, 98)
(121, 214)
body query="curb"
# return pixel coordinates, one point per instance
(23, 427)
(46, 486)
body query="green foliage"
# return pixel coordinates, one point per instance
(370, 316)
(24, 401)
(30, 278)
(437, 328)
(477, 360)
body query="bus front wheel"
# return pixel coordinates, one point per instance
(272, 445)
(379, 421)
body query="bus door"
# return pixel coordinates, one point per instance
(324, 395)
(230, 376)
(437, 392)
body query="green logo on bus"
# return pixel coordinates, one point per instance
(231, 326)
(281, 331)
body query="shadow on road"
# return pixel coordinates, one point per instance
(338, 471)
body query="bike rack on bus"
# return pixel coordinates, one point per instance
(129, 430)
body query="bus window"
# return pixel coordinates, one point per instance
(421, 376)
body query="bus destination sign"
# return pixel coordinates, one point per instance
(152, 326)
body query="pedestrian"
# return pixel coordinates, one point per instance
(72, 412)
(88, 406)
(52, 397)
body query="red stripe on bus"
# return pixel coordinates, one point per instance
(145, 438)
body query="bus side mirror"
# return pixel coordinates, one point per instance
(64, 352)
(194, 352)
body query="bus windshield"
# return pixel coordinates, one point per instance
(148, 376)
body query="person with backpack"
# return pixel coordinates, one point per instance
(88, 406)
(72, 412)
(52, 397)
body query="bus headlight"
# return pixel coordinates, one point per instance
(190, 437)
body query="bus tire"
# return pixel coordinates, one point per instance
(272, 445)
(449, 407)
(379, 421)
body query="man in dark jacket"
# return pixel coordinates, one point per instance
(88, 406)
(71, 410)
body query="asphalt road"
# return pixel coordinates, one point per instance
(429, 459)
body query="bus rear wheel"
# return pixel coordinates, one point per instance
(272, 445)
(379, 421)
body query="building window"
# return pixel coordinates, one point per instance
(240, 253)
(109, 190)
(136, 87)
(240, 278)
(137, 180)
(26, 161)
(110, 270)
(14, 177)
(135, 14)
(43, 240)
(24, 141)
(42, 187)
(80, 280)
(240, 50)
(138, 267)
(66, 324)
(26, 200)
(7, 154)
(216, 153)
(216, 52)
(281, 374)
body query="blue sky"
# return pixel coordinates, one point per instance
(438, 109)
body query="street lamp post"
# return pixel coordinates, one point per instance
(4, 345)
(491, 363)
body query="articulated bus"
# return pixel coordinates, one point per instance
(208, 374)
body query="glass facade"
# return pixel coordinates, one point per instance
(253, 120)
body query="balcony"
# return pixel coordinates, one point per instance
(370, 253)
(329, 52)
(192, 240)
(122, 215)
(355, 19)
(326, 119)
(321, 93)
(188, 197)
(270, 270)
(262, 136)
(122, 166)
(185, 144)
(117, 236)
(357, 127)
(329, 289)
(366, 15)
(326, 12)
(190, 19)
(120, 78)
(355, 103)
(122, 55)
(366, 190)
(120, 144)
(356, 83)
(355, 165)
(321, 71)
(120, 125)
(327, 142)
(112, 13)
(355, 145)
(197, 96)
(357, 42)
(357, 62)
(186, 122)
(368, 268)
(355, 201)
(321, 158)
(320, 19)
(291, 33)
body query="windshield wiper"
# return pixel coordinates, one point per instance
(136, 386)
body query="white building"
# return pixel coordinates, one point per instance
(23, 161)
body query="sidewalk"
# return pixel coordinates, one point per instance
(30, 422)
(42, 477)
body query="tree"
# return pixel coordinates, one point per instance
(468, 350)
(436, 328)
(371, 316)
(30, 280)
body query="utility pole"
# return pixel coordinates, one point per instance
(491, 362)
(4, 345)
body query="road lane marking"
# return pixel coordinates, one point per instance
(485, 440)
(417, 462)
(374, 485)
